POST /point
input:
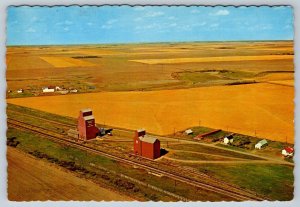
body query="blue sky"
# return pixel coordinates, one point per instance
(125, 24)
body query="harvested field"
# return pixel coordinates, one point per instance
(115, 72)
(61, 62)
(30, 179)
(266, 110)
(214, 59)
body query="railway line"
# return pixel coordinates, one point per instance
(189, 177)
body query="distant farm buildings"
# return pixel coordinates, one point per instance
(189, 131)
(145, 145)
(48, 89)
(86, 125)
(261, 143)
(228, 139)
(288, 152)
(20, 90)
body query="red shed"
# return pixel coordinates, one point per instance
(86, 125)
(145, 145)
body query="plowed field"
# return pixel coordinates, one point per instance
(61, 62)
(214, 59)
(264, 109)
(30, 179)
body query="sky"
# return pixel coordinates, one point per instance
(125, 24)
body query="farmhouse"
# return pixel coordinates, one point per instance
(261, 144)
(20, 91)
(228, 139)
(188, 131)
(86, 125)
(288, 152)
(49, 89)
(145, 145)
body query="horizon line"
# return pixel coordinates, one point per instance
(159, 42)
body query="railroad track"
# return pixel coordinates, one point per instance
(206, 183)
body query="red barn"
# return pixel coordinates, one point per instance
(86, 125)
(146, 146)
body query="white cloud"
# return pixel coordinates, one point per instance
(171, 18)
(214, 25)
(90, 23)
(173, 25)
(105, 26)
(154, 14)
(221, 12)
(30, 30)
(139, 8)
(199, 24)
(66, 29)
(138, 19)
(66, 22)
(195, 11)
(33, 19)
(111, 21)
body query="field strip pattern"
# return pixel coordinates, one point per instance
(62, 62)
(234, 107)
(214, 59)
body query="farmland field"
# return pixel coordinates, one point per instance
(263, 109)
(31, 179)
(110, 67)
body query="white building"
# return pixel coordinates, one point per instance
(288, 152)
(48, 90)
(189, 131)
(73, 91)
(20, 91)
(261, 144)
(228, 139)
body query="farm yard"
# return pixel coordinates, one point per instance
(217, 162)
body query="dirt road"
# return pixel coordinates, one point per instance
(30, 179)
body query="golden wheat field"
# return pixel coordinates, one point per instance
(263, 109)
(215, 59)
(61, 62)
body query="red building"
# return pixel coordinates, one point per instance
(86, 125)
(146, 146)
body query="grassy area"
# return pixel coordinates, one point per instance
(274, 181)
(29, 142)
(41, 114)
(206, 149)
(196, 156)
(214, 77)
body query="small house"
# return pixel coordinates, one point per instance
(189, 131)
(261, 144)
(49, 89)
(228, 139)
(288, 152)
(73, 91)
(20, 90)
(57, 88)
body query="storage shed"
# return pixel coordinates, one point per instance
(261, 144)
(145, 145)
(228, 139)
(288, 152)
(86, 125)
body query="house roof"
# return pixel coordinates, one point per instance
(148, 139)
(140, 130)
(86, 110)
(188, 131)
(229, 137)
(289, 149)
(89, 117)
(262, 142)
